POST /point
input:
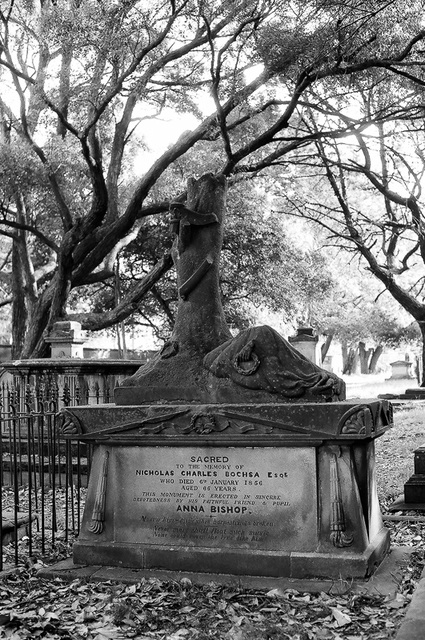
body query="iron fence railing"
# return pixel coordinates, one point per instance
(43, 477)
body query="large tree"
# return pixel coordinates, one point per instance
(80, 81)
(368, 194)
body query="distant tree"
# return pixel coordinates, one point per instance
(352, 311)
(373, 203)
(363, 330)
(81, 80)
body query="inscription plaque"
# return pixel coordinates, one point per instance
(216, 497)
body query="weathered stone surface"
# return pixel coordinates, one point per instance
(306, 342)
(202, 362)
(401, 369)
(14, 526)
(417, 394)
(419, 460)
(257, 366)
(246, 424)
(229, 454)
(239, 489)
(259, 359)
(66, 340)
(384, 581)
(214, 497)
(414, 490)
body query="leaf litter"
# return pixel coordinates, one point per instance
(34, 607)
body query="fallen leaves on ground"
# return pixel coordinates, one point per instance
(31, 607)
(181, 610)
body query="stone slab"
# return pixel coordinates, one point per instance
(384, 582)
(239, 510)
(279, 490)
(181, 424)
(418, 391)
(217, 508)
(217, 497)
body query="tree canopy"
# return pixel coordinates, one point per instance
(84, 79)
(368, 194)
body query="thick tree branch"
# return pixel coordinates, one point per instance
(6, 301)
(128, 304)
(33, 230)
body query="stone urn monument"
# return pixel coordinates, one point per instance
(234, 455)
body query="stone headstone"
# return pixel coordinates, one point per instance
(306, 343)
(224, 454)
(401, 369)
(66, 340)
(266, 490)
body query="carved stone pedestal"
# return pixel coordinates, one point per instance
(246, 489)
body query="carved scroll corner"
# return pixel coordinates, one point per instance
(68, 424)
(386, 413)
(357, 421)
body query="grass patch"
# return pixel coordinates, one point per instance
(395, 451)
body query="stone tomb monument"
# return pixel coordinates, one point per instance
(229, 455)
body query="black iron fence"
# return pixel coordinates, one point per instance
(43, 477)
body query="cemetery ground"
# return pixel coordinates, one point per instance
(34, 607)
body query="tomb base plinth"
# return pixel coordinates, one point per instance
(280, 490)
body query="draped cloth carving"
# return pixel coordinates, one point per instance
(275, 366)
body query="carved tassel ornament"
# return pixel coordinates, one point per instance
(98, 517)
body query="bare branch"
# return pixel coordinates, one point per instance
(33, 230)
(129, 302)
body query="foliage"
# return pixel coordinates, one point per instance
(165, 610)
(83, 81)
(260, 267)
(353, 314)
(367, 195)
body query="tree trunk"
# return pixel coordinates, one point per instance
(200, 324)
(422, 328)
(64, 82)
(19, 307)
(35, 346)
(325, 346)
(178, 371)
(376, 354)
(349, 360)
(364, 356)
